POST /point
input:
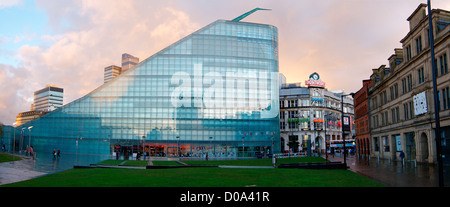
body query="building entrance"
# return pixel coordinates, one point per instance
(410, 146)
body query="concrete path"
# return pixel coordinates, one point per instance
(11, 172)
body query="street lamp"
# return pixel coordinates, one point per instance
(143, 145)
(243, 148)
(178, 146)
(210, 143)
(21, 141)
(342, 125)
(78, 138)
(14, 141)
(29, 136)
(271, 150)
(437, 131)
(327, 117)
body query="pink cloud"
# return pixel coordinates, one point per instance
(334, 38)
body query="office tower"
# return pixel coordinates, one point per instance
(48, 98)
(111, 72)
(128, 61)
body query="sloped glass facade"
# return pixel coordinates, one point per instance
(213, 92)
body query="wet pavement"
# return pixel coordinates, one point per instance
(395, 173)
(392, 174)
(43, 164)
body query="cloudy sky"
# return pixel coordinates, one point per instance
(69, 42)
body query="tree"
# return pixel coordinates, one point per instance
(1, 130)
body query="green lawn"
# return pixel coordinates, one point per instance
(200, 177)
(7, 157)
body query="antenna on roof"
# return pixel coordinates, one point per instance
(239, 18)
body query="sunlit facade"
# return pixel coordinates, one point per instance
(213, 92)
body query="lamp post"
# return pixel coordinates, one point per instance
(271, 150)
(109, 148)
(14, 141)
(210, 143)
(78, 138)
(178, 146)
(437, 131)
(342, 125)
(22, 140)
(29, 136)
(243, 148)
(143, 145)
(326, 143)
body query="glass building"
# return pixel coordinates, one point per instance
(213, 92)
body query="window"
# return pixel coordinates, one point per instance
(293, 114)
(439, 100)
(443, 64)
(409, 82)
(445, 98)
(386, 144)
(411, 109)
(395, 115)
(406, 111)
(419, 44)
(375, 121)
(376, 144)
(408, 52)
(386, 118)
(404, 86)
(421, 75)
(374, 102)
(395, 91)
(391, 92)
(292, 103)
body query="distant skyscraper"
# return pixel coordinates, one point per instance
(128, 61)
(48, 98)
(111, 72)
(25, 117)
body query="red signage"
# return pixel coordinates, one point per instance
(317, 83)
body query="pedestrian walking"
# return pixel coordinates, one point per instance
(54, 154)
(58, 154)
(32, 152)
(402, 156)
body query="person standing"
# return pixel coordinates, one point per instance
(54, 154)
(31, 152)
(58, 154)
(402, 156)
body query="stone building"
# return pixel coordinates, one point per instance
(401, 96)
(310, 117)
